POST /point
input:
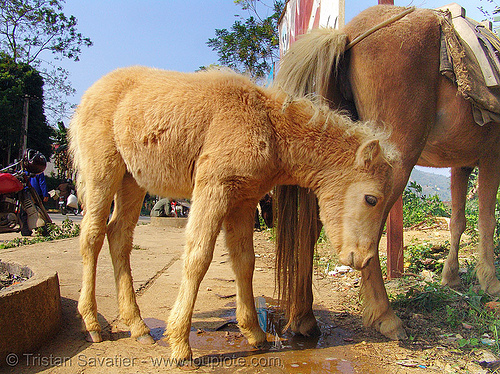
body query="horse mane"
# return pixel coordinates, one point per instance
(307, 65)
(323, 117)
(296, 210)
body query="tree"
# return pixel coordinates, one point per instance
(61, 155)
(251, 45)
(20, 82)
(28, 29)
(492, 13)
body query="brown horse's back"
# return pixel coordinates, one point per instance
(394, 73)
(396, 79)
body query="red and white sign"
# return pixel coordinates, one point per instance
(300, 16)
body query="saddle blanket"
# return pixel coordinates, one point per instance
(470, 57)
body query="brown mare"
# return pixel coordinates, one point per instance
(223, 141)
(392, 77)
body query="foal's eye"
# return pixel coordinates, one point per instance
(371, 200)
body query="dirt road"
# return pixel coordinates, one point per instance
(344, 346)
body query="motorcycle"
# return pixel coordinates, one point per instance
(68, 205)
(21, 208)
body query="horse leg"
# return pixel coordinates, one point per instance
(128, 202)
(97, 206)
(489, 179)
(459, 179)
(239, 241)
(303, 321)
(205, 220)
(377, 312)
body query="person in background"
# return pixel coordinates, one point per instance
(38, 183)
(66, 188)
(162, 208)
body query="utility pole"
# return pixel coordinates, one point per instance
(341, 13)
(24, 132)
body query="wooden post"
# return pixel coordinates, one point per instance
(395, 255)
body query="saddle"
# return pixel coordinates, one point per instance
(470, 56)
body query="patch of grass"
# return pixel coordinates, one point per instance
(459, 313)
(418, 207)
(425, 255)
(68, 229)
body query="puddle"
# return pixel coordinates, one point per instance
(158, 328)
(291, 354)
(325, 365)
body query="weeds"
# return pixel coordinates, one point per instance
(418, 207)
(426, 256)
(68, 229)
(452, 310)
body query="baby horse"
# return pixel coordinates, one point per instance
(221, 140)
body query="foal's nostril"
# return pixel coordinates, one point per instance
(352, 260)
(366, 262)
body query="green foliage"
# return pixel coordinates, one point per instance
(68, 229)
(61, 157)
(251, 45)
(425, 297)
(423, 256)
(28, 29)
(452, 310)
(472, 217)
(18, 80)
(418, 207)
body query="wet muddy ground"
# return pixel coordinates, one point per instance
(345, 346)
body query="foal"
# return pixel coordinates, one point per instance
(219, 139)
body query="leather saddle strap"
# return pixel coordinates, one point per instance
(379, 26)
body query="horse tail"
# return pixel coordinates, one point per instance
(305, 68)
(74, 155)
(307, 65)
(297, 229)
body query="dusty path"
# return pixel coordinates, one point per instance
(344, 347)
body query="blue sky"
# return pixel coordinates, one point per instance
(169, 34)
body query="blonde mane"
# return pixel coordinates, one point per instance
(304, 65)
(325, 117)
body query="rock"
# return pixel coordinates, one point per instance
(472, 367)
(494, 306)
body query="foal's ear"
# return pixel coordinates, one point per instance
(368, 153)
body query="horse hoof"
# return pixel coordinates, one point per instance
(309, 331)
(393, 329)
(451, 281)
(263, 346)
(493, 290)
(145, 339)
(93, 336)
(308, 327)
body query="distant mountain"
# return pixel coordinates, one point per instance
(432, 184)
